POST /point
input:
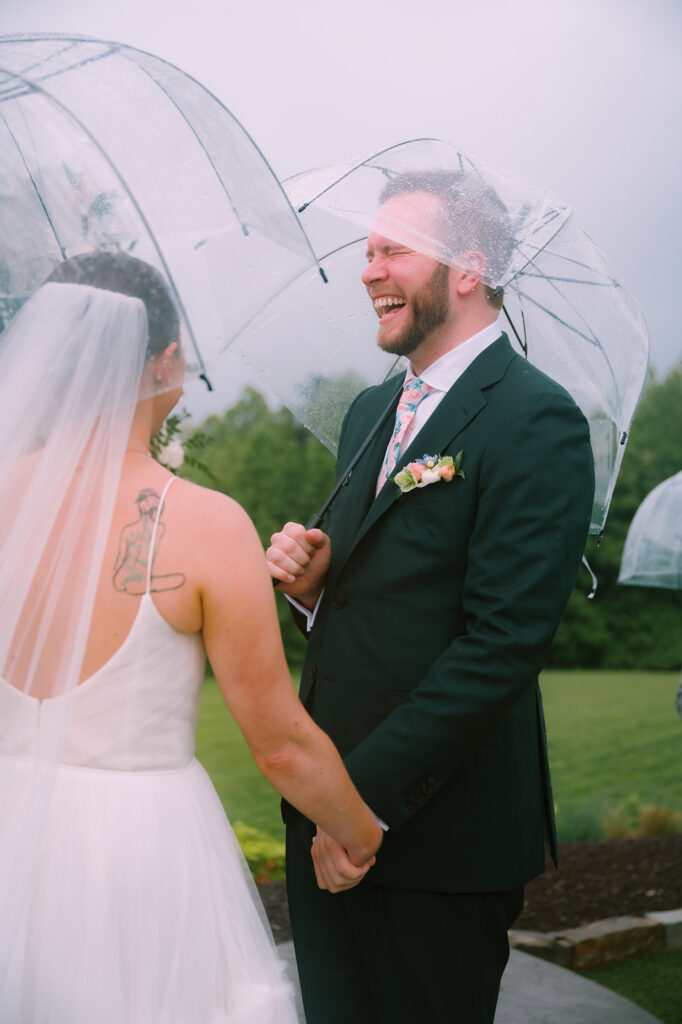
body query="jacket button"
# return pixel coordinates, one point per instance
(312, 672)
(339, 601)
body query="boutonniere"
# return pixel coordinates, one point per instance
(429, 470)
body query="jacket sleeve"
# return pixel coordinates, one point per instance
(535, 493)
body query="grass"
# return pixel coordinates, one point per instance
(653, 981)
(614, 744)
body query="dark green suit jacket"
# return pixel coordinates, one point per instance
(438, 613)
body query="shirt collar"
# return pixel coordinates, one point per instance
(442, 374)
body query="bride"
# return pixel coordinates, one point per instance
(124, 898)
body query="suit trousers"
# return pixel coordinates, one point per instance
(378, 955)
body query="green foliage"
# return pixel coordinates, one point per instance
(637, 819)
(274, 468)
(624, 626)
(653, 981)
(264, 855)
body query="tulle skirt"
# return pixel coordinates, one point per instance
(137, 909)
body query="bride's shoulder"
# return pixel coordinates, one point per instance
(210, 514)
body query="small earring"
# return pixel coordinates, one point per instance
(158, 378)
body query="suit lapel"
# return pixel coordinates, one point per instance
(461, 404)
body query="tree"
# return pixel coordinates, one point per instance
(630, 627)
(274, 468)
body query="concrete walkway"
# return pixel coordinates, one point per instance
(535, 991)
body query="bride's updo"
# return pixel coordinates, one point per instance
(118, 272)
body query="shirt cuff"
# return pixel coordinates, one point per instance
(308, 614)
(382, 824)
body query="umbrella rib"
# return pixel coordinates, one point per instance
(318, 517)
(147, 226)
(241, 127)
(346, 245)
(113, 48)
(591, 340)
(531, 259)
(35, 189)
(569, 280)
(182, 114)
(360, 163)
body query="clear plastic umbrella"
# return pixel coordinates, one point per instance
(652, 555)
(105, 146)
(563, 306)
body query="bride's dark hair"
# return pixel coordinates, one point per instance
(119, 272)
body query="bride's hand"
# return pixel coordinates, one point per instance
(334, 870)
(299, 560)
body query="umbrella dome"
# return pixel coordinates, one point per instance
(103, 146)
(564, 309)
(652, 555)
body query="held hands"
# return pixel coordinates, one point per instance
(299, 559)
(333, 868)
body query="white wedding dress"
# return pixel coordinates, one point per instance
(141, 908)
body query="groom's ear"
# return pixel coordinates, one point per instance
(468, 275)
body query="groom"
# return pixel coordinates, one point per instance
(429, 620)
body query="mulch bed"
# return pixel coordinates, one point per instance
(611, 878)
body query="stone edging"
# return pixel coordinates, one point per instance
(603, 942)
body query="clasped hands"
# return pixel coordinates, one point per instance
(334, 870)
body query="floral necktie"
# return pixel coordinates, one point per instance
(413, 392)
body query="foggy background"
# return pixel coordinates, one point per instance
(585, 98)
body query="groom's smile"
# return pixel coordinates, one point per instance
(408, 288)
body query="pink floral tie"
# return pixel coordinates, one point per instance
(413, 392)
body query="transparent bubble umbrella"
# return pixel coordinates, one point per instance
(563, 306)
(105, 146)
(652, 555)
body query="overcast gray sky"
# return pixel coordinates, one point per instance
(583, 97)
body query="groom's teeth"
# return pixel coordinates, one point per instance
(384, 303)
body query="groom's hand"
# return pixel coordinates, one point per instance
(299, 560)
(334, 870)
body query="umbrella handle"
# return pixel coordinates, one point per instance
(317, 518)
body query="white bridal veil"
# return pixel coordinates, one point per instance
(72, 365)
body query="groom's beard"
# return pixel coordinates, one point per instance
(429, 308)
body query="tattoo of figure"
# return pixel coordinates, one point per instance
(134, 551)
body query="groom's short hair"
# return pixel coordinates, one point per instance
(473, 217)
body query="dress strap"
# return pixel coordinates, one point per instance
(150, 560)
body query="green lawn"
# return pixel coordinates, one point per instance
(614, 739)
(653, 982)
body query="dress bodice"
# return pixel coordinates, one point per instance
(137, 712)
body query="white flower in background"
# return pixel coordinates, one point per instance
(171, 455)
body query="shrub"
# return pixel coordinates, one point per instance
(264, 855)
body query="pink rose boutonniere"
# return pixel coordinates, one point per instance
(429, 470)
